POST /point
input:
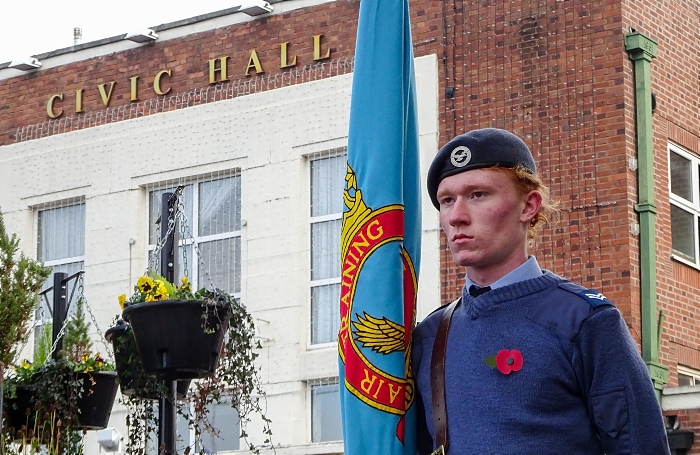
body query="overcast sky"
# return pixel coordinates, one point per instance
(31, 27)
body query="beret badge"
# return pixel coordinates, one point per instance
(477, 149)
(460, 156)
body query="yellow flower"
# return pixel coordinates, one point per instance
(84, 358)
(145, 283)
(122, 300)
(160, 294)
(88, 369)
(25, 364)
(185, 280)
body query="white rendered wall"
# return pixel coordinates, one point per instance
(265, 136)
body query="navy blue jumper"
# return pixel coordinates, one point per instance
(582, 389)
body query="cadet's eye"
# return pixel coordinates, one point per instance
(477, 194)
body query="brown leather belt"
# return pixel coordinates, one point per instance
(437, 380)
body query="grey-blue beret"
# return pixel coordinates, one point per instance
(476, 149)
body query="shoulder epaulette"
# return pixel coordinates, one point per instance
(594, 298)
(565, 314)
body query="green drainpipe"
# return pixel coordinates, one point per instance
(641, 50)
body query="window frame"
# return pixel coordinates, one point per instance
(310, 384)
(193, 225)
(191, 442)
(44, 302)
(327, 154)
(693, 374)
(691, 207)
(241, 442)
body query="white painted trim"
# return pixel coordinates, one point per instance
(62, 261)
(322, 218)
(318, 448)
(679, 398)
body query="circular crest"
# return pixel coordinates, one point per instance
(460, 156)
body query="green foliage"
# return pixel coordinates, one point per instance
(139, 390)
(76, 341)
(153, 287)
(43, 345)
(51, 391)
(20, 280)
(51, 421)
(142, 422)
(236, 381)
(236, 378)
(52, 394)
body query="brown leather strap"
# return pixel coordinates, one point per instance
(437, 379)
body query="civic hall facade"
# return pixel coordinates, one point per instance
(249, 114)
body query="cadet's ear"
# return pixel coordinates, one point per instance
(533, 202)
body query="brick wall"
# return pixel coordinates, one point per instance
(675, 82)
(553, 72)
(688, 420)
(557, 74)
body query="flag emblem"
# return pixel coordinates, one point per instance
(363, 337)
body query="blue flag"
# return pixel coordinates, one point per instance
(380, 239)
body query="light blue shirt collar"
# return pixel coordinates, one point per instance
(525, 271)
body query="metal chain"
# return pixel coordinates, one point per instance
(21, 349)
(162, 240)
(58, 338)
(81, 294)
(183, 224)
(154, 258)
(161, 243)
(26, 342)
(198, 254)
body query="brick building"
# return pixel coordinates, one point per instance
(605, 93)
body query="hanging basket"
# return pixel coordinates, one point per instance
(133, 381)
(99, 389)
(178, 339)
(95, 403)
(18, 410)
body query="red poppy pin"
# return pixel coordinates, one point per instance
(506, 361)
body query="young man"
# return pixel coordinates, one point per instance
(525, 362)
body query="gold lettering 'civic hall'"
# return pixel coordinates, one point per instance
(218, 72)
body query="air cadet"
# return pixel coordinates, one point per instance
(525, 362)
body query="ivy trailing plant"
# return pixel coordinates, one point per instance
(138, 389)
(47, 424)
(236, 378)
(45, 397)
(235, 382)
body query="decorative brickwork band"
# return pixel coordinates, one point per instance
(202, 95)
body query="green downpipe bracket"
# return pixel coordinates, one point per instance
(642, 50)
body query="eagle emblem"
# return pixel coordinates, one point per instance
(381, 335)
